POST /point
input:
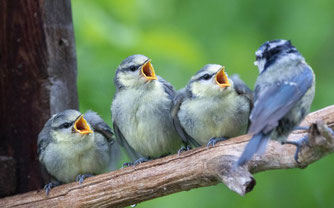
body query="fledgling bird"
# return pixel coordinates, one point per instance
(212, 107)
(141, 111)
(284, 92)
(73, 146)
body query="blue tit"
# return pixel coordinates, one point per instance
(73, 146)
(284, 92)
(212, 107)
(141, 111)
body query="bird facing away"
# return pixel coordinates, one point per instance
(141, 111)
(284, 92)
(212, 107)
(73, 146)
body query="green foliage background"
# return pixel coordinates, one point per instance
(182, 36)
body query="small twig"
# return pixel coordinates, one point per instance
(195, 168)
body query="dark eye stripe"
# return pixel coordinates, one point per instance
(64, 125)
(206, 76)
(202, 77)
(133, 68)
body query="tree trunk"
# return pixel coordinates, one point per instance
(38, 79)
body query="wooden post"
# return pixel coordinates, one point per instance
(37, 78)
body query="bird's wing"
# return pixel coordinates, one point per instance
(241, 87)
(243, 90)
(97, 123)
(273, 102)
(44, 139)
(133, 155)
(103, 128)
(180, 96)
(169, 89)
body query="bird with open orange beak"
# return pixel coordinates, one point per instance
(73, 146)
(212, 107)
(141, 111)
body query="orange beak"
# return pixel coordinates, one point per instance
(221, 78)
(81, 126)
(147, 71)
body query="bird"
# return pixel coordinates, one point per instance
(141, 111)
(284, 91)
(73, 146)
(212, 107)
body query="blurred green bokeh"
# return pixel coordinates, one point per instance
(182, 36)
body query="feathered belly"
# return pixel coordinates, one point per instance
(203, 121)
(65, 162)
(145, 123)
(152, 136)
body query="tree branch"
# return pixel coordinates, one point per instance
(196, 168)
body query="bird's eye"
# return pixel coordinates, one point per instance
(133, 68)
(66, 125)
(206, 76)
(258, 58)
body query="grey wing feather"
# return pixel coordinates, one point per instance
(169, 89)
(180, 96)
(44, 139)
(97, 123)
(122, 142)
(115, 154)
(275, 101)
(99, 126)
(240, 85)
(242, 89)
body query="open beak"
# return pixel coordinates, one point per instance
(147, 71)
(221, 78)
(81, 126)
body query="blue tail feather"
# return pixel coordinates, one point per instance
(256, 145)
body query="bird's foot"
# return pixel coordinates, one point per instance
(127, 164)
(213, 141)
(299, 143)
(140, 160)
(135, 163)
(301, 128)
(49, 186)
(81, 177)
(183, 149)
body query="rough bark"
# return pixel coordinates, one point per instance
(196, 168)
(38, 78)
(7, 168)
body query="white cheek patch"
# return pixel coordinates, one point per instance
(64, 135)
(205, 89)
(260, 64)
(258, 53)
(130, 79)
(199, 89)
